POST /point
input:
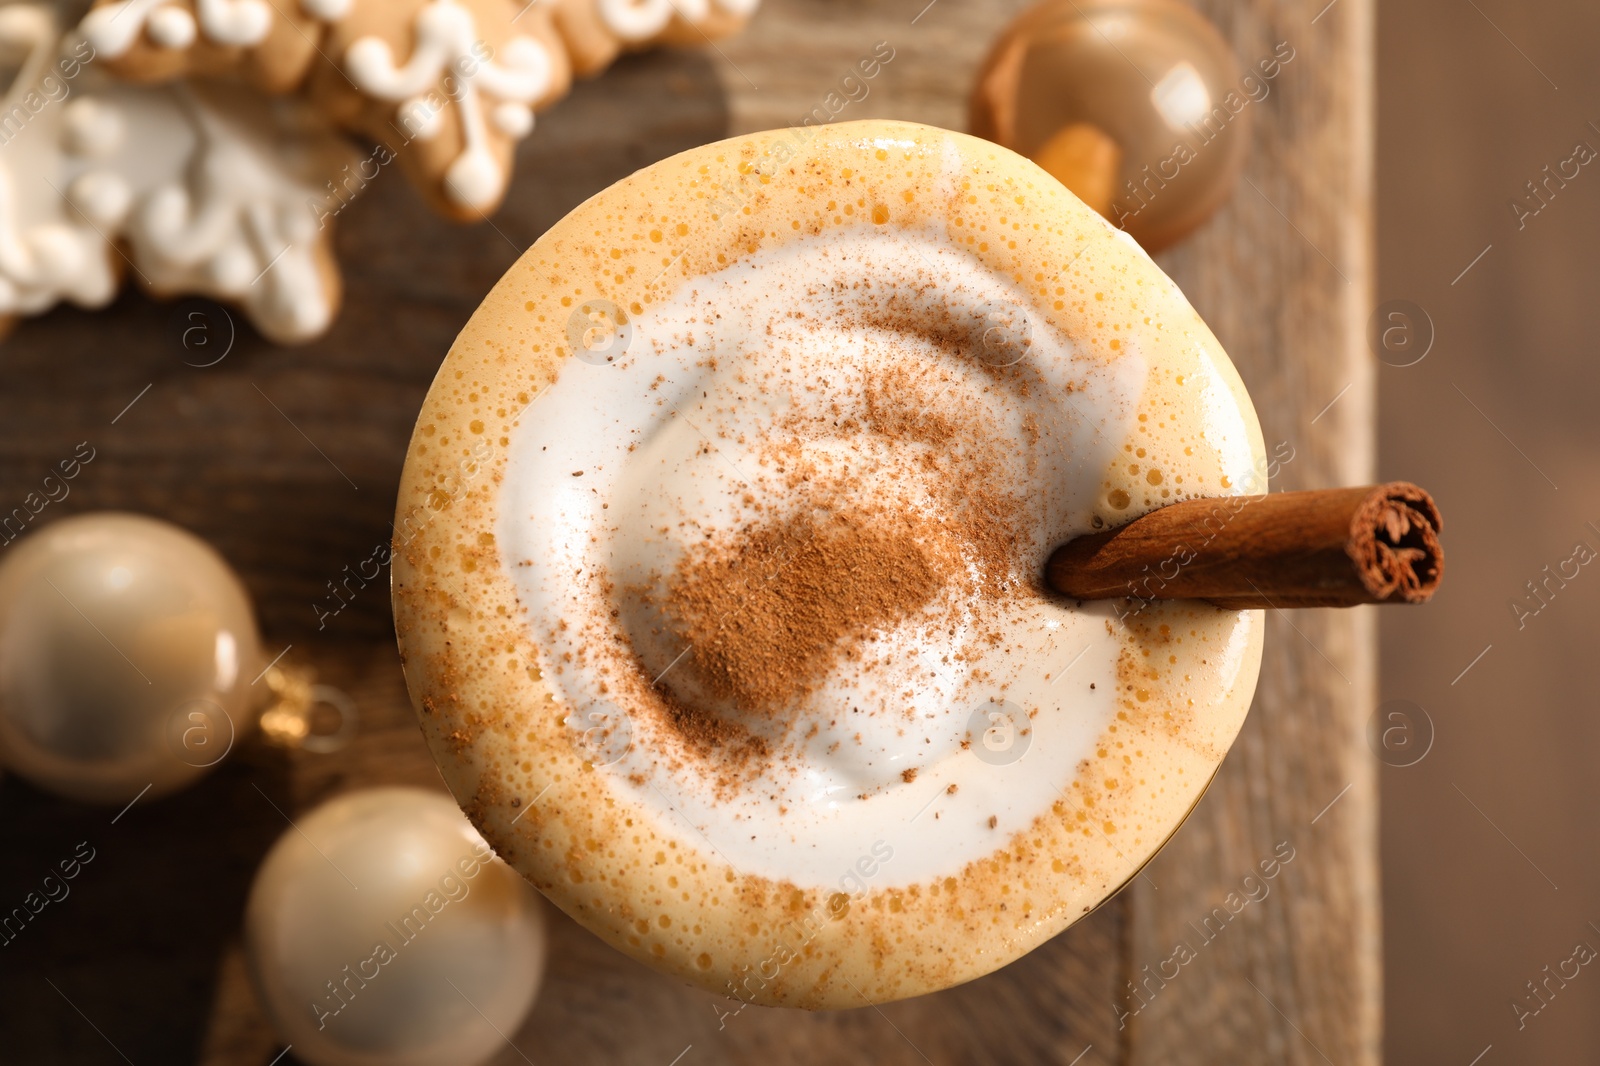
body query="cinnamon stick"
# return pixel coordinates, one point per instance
(1325, 548)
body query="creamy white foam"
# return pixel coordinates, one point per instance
(635, 459)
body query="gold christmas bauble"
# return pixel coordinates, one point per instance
(382, 931)
(127, 652)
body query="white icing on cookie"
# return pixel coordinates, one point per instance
(634, 20)
(211, 189)
(236, 22)
(48, 261)
(46, 254)
(171, 27)
(638, 20)
(93, 129)
(447, 44)
(512, 119)
(235, 224)
(103, 197)
(327, 10)
(113, 28)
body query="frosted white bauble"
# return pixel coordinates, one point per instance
(381, 931)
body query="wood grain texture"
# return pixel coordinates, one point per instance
(288, 460)
(1283, 275)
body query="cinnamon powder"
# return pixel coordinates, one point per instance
(769, 613)
(834, 554)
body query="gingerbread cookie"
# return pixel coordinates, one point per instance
(48, 252)
(450, 85)
(207, 188)
(271, 43)
(234, 217)
(203, 189)
(596, 31)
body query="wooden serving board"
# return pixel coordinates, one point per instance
(288, 461)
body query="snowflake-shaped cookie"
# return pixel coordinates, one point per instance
(192, 189)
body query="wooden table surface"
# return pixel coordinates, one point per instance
(288, 461)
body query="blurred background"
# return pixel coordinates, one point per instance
(1489, 871)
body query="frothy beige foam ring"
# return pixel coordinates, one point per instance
(719, 562)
